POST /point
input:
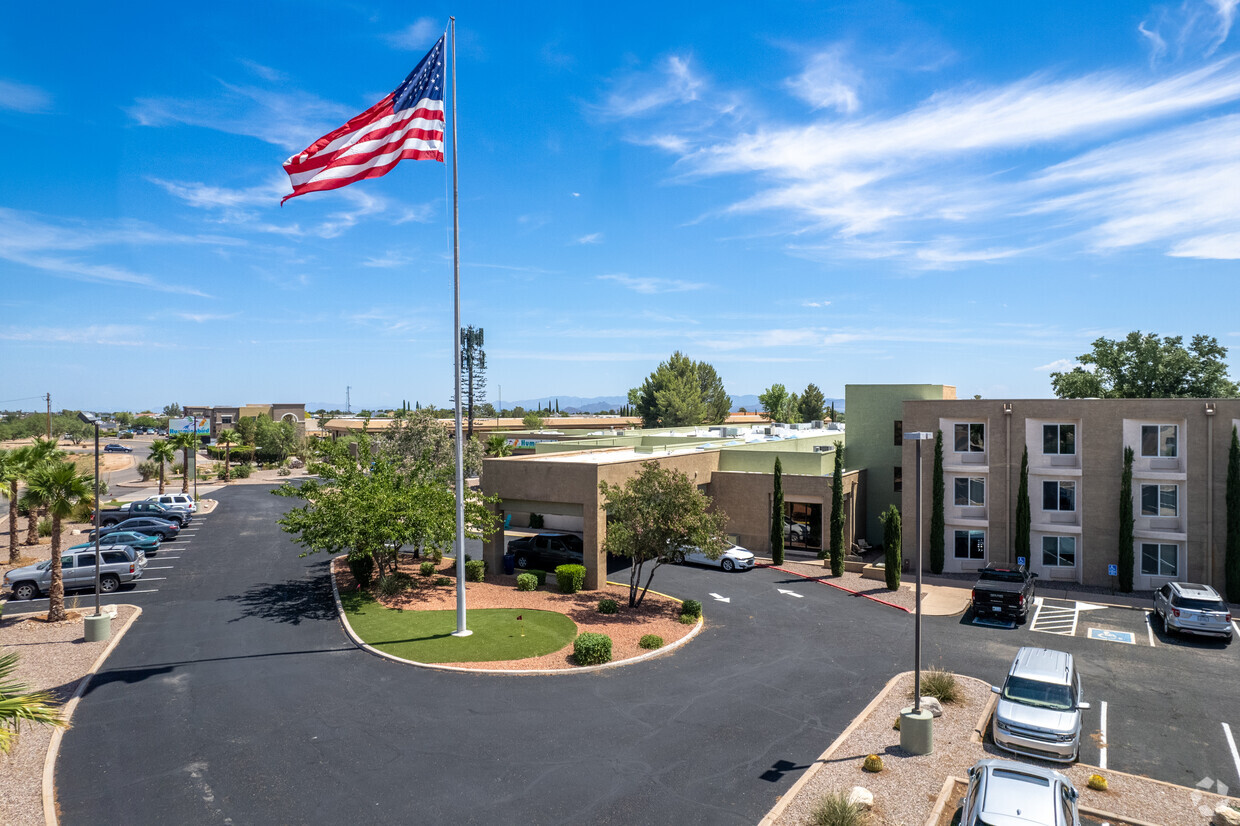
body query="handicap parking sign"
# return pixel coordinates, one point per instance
(1112, 570)
(1112, 636)
(1020, 560)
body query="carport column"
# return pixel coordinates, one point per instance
(593, 535)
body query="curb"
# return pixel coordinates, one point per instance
(53, 747)
(840, 587)
(518, 672)
(787, 797)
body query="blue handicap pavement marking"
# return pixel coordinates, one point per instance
(1112, 636)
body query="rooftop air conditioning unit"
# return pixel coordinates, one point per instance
(817, 424)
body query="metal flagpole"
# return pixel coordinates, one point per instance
(461, 630)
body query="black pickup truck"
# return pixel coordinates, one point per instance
(114, 516)
(1003, 593)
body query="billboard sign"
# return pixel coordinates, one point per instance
(197, 426)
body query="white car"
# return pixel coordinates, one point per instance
(733, 558)
(173, 499)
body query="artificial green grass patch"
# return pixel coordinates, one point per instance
(426, 636)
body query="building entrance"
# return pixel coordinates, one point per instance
(803, 526)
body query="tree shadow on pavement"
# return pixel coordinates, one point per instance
(290, 601)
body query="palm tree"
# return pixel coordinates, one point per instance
(18, 702)
(59, 486)
(34, 456)
(165, 453)
(10, 474)
(185, 442)
(228, 438)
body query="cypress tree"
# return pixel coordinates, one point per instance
(837, 514)
(1024, 517)
(1233, 520)
(937, 528)
(1126, 525)
(891, 547)
(777, 516)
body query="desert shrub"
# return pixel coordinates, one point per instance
(219, 472)
(541, 576)
(363, 568)
(82, 511)
(592, 649)
(443, 580)
(536, 521)
(873, 763)
(178, 468)
(570, 578)
(392, 584)
(650, 641)
(692, 608)
(475, 570)
(148, 470)
(284, 472)
(941, 685)
(436, 555)
(45, 526)
(608, 606)
(427, 568)
(243, 470)
(834, 809)
(685, 619)
(527, 582)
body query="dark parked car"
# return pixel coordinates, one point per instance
(547, 550)
(115, 448)
(1003, 593)
(137, 541)
(148, 525)
(129, 510)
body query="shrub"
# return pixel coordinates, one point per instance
(1097, 782)
(362, 568)
(148, 470)
(592, 649)
(82, 511)
(834, 809)
(436, 555)
(541, 576)
(691, 608)
(177, 468)
(45, 526)
(443, 580)
(475, 570)
(941, 685)
(219, 472)
(284, 472)
(536, 521)
(427, 568)
(242, 471)
(526, 582)
(608, 606)
(685, 619)
(650, 641)
(570, 578)
(392, 584)
(873, 763)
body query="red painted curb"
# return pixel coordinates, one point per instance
(840, 587)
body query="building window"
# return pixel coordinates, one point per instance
(1059, 551)
(1059, 496)
(1160, 560)
(970, 491)
(1160, 500)
(226, 420)
(970, 544)
(1059, 439)
(899, 432)
(970, 438)
(897, 478)
(1160, 440)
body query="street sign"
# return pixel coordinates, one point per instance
(1112, 636)
(1112, 570)
(1020, 560)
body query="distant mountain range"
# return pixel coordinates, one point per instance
(576, 404)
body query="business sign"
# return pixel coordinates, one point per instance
(199, 427)
(525, 443)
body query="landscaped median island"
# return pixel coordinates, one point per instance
(512, 629)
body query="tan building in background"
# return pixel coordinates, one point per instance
(225, 418)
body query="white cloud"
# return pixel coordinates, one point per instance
(200, 318)
(265, 72)
(111, 335)
(651, 286)
(1057, 366)
(818, 304)
(24, 98)
(673, 81)
(1224, 246)
(418, 36)
(828, 82)
(592, 238)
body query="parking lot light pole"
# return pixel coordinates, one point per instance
(915, 722)
(98, 627)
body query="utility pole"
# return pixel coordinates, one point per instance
(347, 409)
(49, 415)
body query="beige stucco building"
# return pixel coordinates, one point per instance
(225, 418)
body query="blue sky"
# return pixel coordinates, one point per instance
(957, 192)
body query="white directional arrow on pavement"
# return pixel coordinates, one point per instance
(789, 593)
(719, 598)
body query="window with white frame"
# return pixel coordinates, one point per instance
(1059, 439)
(1059, 551)
(1160, 559)
(1059, 496)
(1160, 440)
(970, 437)
(226, 420)
(970, 491)
(1160, 500)
(970, 545)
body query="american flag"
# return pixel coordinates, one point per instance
(406, 124)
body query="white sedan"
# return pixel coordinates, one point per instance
(733, 558)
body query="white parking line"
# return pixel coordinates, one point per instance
(1149, 626)
(159, 567)
(1102, 742)
(1236, 626)
(153, 578)
(85, 595)
(1231, 744)
(1053, 619)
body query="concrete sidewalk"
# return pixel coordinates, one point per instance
(961, 590)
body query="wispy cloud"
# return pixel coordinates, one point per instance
(387, 320)
(1196, 27)
(816, 304)
(265, 72)
(200, 318)
(24, 98)
(651, 286)
(592, 238)
(828, 82)
(673, 80)
(417, 36)
(112, 335)
(1057, 366)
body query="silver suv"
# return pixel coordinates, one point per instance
(173, 500)
(1198, 609)
(1001, 791)
(1039, 709)
(77, 571)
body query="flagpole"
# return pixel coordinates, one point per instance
(461, 630)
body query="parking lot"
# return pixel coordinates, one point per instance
(1161, 705)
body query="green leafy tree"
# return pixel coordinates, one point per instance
(654, 518)
(892, 561)
(777, 516)
(277, 439)
(776, 403)
(148, 421)
(937, 524)
(165, 453)
(185, 442)
(58, 486)
(1148, 367)
(123, 419)
(18, 704)
(77, 431)
(1024, 516)
(1233, 520)
(811, 404)
(228, 438)
(10, 475)
(837, 514)
(424, 445)
(1126, 524)
(532, 421)
(681, 392)
(173, 411)
(247, 427)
